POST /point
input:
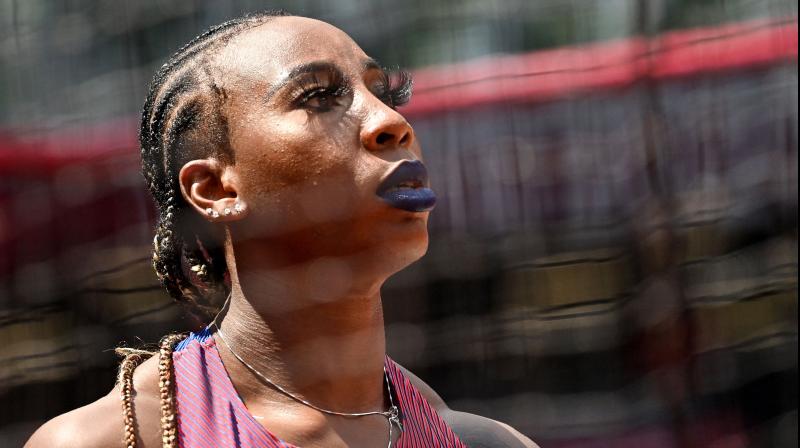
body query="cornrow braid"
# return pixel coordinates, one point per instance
(181, 120)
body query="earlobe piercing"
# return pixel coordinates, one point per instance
(238, 207)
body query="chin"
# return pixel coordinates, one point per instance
(410, 230)
(390, 245)
(419, 249)
(405, 251)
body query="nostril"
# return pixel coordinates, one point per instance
(383, 137)
(406, 139)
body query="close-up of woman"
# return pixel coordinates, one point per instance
(289, 188)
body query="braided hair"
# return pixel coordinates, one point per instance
(182, 120)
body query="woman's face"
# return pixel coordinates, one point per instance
(313, 136)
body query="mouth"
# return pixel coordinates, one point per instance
(406, 188)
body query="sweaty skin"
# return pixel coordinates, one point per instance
(308, 257)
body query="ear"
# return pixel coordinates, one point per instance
(212, 190)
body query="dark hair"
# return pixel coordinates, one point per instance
(182, 120)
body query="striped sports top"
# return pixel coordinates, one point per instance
(211, 414)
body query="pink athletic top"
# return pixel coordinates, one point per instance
(211, 413)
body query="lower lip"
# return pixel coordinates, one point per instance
(411, 199)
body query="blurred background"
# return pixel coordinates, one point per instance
(613, 259)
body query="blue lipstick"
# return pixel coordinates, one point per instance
(406, 188)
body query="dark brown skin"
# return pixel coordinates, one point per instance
(308, 257)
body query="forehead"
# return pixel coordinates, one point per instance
(267, 52)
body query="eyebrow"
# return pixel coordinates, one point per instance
(317, 66)
(371, 64)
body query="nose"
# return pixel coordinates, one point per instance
(385, 129)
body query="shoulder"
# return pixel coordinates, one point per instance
(481, 432)
(475, 431)
(100, 424)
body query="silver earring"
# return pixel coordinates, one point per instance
(226, 212)
(238, 206)
(209, 212)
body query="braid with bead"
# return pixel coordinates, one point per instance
(134, 357)
(182, 120)
(166, 386)
(125, 380)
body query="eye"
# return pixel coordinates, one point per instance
(321, 98)
(320, 90)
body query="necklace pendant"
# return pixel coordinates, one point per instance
(394, 417)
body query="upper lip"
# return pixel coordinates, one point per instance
(408, 171)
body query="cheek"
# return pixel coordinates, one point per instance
(276, 154)
(304, 169)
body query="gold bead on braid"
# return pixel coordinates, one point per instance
(169, 431)
(133, 357)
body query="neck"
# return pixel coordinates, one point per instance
(311, 327)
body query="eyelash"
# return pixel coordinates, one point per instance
(331, 83)
(398, 88)
(395, 91)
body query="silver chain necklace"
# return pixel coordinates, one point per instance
(392, 415)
